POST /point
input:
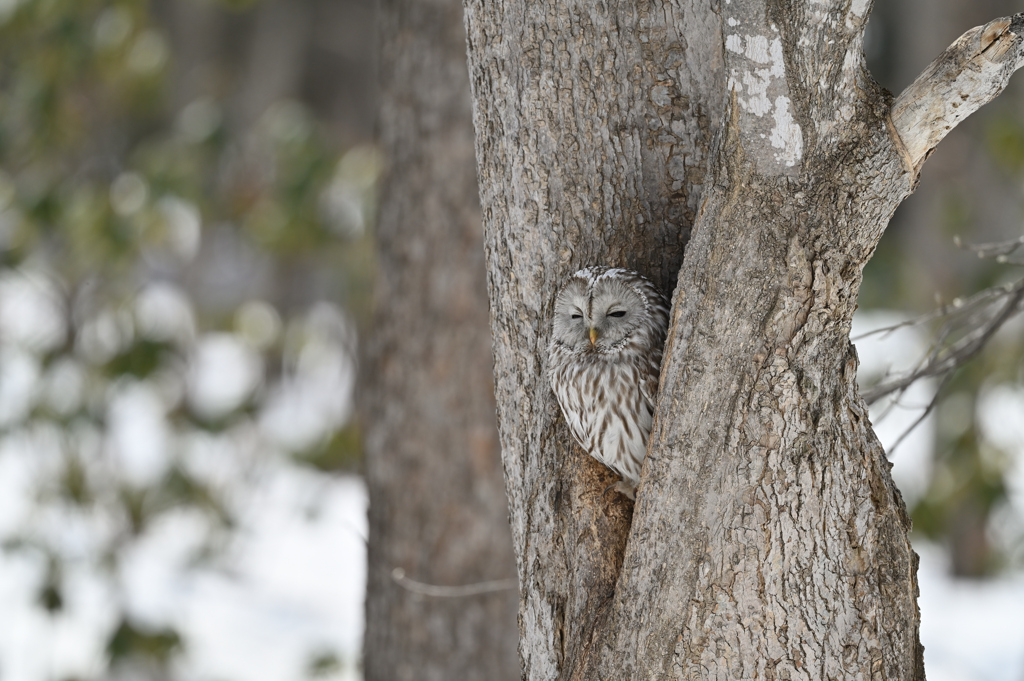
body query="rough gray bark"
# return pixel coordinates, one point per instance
(437, 508)
(767, 537)
(592, 126)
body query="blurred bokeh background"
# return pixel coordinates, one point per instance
(187, 215)
(186, 191)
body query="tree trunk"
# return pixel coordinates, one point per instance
(438, 513)
(767, 537)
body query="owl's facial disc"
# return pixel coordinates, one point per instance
(597, 318)
(616, 311)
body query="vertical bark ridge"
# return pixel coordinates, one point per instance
(777, 538)
(766, 508)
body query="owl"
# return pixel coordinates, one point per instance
(603, 364)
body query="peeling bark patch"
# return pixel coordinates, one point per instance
(859, 7)
(857, 13)
(786, 134)
(757, 77)
(757, 49)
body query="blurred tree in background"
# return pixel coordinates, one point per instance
(433, 470)
(185, 192)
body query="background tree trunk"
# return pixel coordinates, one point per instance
(767, 538)
(437, 502)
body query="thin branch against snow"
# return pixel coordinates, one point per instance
(962, 336)
(969, 74)
(958, 306)
(967, 325)
(1011, 251)
(929, 408)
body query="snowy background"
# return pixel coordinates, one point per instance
(187, 208)
(290, 587)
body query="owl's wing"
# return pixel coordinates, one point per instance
(578, 429)
(567, 388)
(649, 375)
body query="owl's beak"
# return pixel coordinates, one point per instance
(593, 336)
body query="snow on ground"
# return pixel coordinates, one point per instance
(299, 589)
(971, 630)
(294, 590)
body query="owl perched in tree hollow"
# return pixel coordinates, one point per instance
(603, 363)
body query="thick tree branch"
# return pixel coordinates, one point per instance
(969, 74)
(461, 591)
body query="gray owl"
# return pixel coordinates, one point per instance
(603, 363)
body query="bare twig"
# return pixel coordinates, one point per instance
(398, 574)
(973, 318)
(944, 357)
(959, 307)
(996, 249)
(920, 419)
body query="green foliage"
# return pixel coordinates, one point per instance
(341, 453)
(1004, 139)
(51, 597)
(113, 204)
(131, 640)
(141, 359)
(323, 664)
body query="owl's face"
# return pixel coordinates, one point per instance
(595, 316)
